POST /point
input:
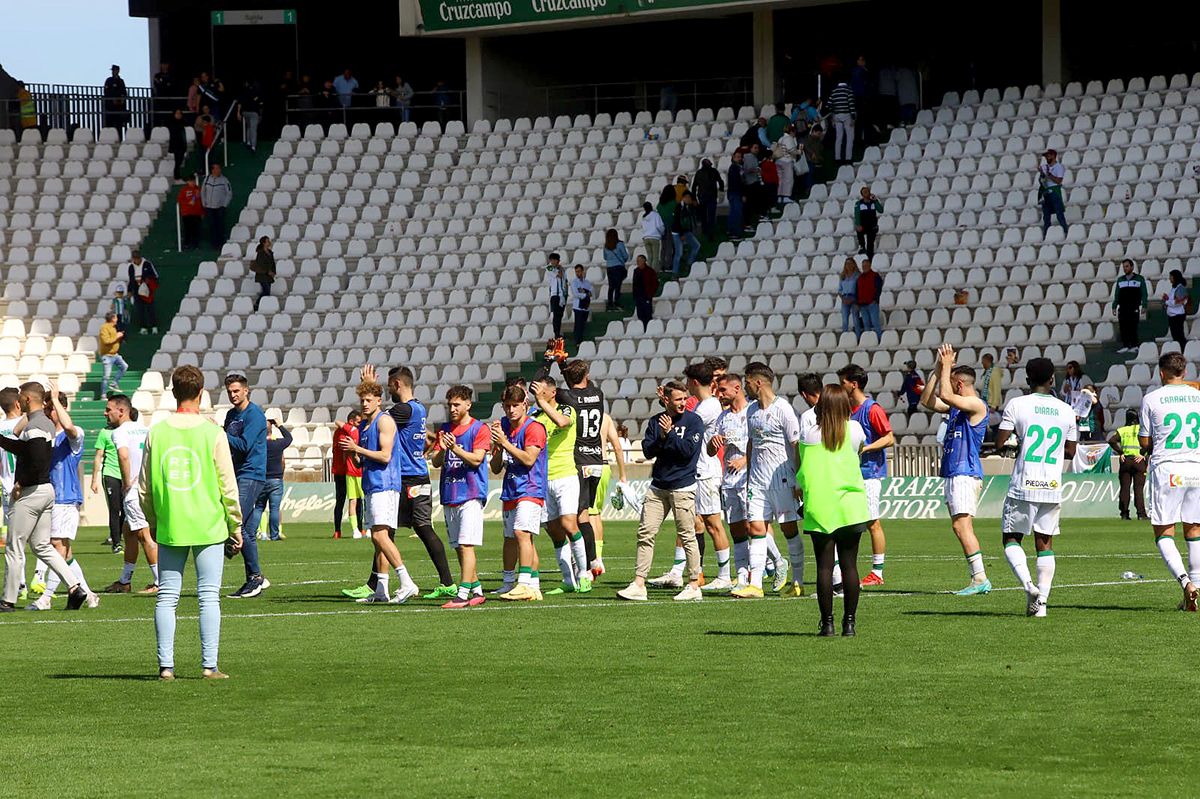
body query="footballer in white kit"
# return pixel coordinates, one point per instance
(1170, 432)
(708, 468)
(771, 481)
(731, 426)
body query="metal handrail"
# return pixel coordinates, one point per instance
(69, 106)
(222, 137)
(453, 110)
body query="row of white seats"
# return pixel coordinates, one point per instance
(107, 136)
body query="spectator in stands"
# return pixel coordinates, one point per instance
(735, 187)
(860, 84)
(402, 97)
(249, 112)
(1074, 382)
(911, 386)
(645, 286)
(1176, 303)
(1050, 190)
(1130, 300)
(681, 185)
(776, 125)
(1011, 359)
(120, 306)
(707, 186)
(908, 94)
(177, 142)
(755, 134)
(848, 294)
(116, 98)
(442, 100)
(210, 95)
(26, 107)
(162, 86)
(556, 277)
(784, 154)
(345, 85)
(215, 196)
(263, 269)
(382, 95)
(870, 289)
(1092, 425)
(110, 344)
(143, 283)
(582, 291)
(807, 113)
(867, 209)
(327, 104)
(841, 105)
(626, 444)
(687, 222)
(752, 185)
(1132, 470)
(770, 181)
(616, 262)
(991, 382)
(193, 97)
(191, 211)
(652, 233)
(206, 128)
(666, 209)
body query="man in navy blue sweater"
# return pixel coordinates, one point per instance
(674, 440)
(246, 429)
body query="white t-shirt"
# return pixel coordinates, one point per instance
(709, 411)
(1043, 424)
(773, 433)
(131, 435)
(732, 425)
(1176, 303)
(808, 420)
(812, 433)
(1170, 418)
(581, 288)
(8, 461)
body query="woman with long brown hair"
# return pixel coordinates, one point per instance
(835, 501)
(616, 260)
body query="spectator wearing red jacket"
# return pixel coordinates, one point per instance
(645, 286)
(143, 284)
(191, 211)
(870, 287)
(347, 477)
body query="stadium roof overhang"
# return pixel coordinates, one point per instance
(497, 17)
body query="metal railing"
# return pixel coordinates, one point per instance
(305, 109)
(222, 138)
(656, 95)
(915, 460)
(71, 106)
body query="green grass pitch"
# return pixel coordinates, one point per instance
(587, 696)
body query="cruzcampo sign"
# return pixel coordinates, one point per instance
(461, 15)
(1084, 496)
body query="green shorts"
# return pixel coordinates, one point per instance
(601, 492)
(354, 487)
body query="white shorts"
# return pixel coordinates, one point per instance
(1024, 517)
(382, 509)
(134, 518)
(1173, 497)
(874, 489)
(735, 504)
(526, 517)
(962, 494)
(464, 523)
(776, 503)
(562, 498)
(64, 521)
(708, 496)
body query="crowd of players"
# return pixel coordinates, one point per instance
(727, 450)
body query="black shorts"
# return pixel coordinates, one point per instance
(416, 504)
(587, 491)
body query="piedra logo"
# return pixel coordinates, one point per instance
(1042, 485)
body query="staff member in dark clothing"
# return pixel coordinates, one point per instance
(867, 209)
(736, 195)
(1130, 298)
(278, 440)
(1133, 465)
(706, 186)
(645, 287)
(673, 439)
(177, 141)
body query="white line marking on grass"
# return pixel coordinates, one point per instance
(497, 604)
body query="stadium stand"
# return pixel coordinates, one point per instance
(71, 211)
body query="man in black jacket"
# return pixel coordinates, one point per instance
(707, 185)
(673, 439)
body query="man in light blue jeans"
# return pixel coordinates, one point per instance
(110, 345)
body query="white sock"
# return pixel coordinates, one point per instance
(579, 551)
(1045, 573)
(680, 562)
(405, 581)
(381, 584)
(1014, 553)
(563, 555)
(52, 583)
(509, 576)
(1193, 548)
(39, 571)
(795, 546)
(877, 565)
(477, 589)
(758, 560)
(837, 571)
(127, 573)
(535, 581)
(1171, 557)
(741, 558)
(773, 550)
(77, 570)
(975, 567)
(524, 578)
(464, 591)
(723, 564)
(154, 573)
